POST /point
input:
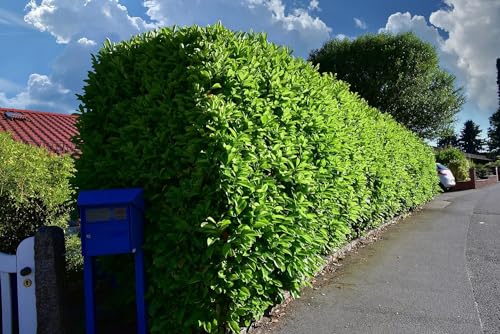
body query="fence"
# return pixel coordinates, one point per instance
(32, 285)
(22, 296)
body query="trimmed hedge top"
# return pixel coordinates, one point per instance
(254, 166)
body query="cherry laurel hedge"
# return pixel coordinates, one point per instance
(254, 166)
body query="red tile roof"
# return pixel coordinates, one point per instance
(50, 130)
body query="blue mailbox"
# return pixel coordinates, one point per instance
(112, 222)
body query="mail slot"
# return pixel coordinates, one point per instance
(112, 221)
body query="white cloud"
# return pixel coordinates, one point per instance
(297, 28)
(54, 92)
(83, 25)
(469, 51)
(68, 19)
(41, 87)
(403, 22)
(360, 23)
(40, 93)
(87, 42)
(314, 5)
(474, 38)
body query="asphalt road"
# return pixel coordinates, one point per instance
(437, 271)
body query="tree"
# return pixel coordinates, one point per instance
(399, 75)
(34, 191)
(448, 140)
(498, 81)
(494, 129)
(469, 138)
(494, 133)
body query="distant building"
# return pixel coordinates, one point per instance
(43, 129)
(478, 158)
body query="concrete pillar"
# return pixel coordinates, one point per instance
(50, 280)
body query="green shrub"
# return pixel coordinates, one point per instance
(447, 154)
(483, 171)
(34, 191)
(456, 161)
(493, 164)
(254, 166)
(460, 169)
(74, 258)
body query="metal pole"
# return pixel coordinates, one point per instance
(139, 292)
(88, 278)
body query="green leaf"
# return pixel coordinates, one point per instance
(210, 241)
(216, 86)
(233, 325)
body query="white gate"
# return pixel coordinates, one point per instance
(23, 265)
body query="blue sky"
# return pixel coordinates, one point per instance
(46, 44)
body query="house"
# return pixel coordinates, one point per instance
(43, 129)
(478, 158)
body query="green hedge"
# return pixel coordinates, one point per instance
(34, 191)
(456, 161)
(254, 166)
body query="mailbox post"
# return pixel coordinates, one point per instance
(112, 222)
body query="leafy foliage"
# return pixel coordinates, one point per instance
(494, 133)
(483, 171)
(399, 75)
(74, 258)
(34, 191)
(456, 161)
(495, 163)
(494, 129)
(448, 138)
(469, 140)
(253, 164)
(444, 156)
(498, 81)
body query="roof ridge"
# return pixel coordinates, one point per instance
(36, 112)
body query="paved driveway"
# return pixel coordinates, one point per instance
(437, 271)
